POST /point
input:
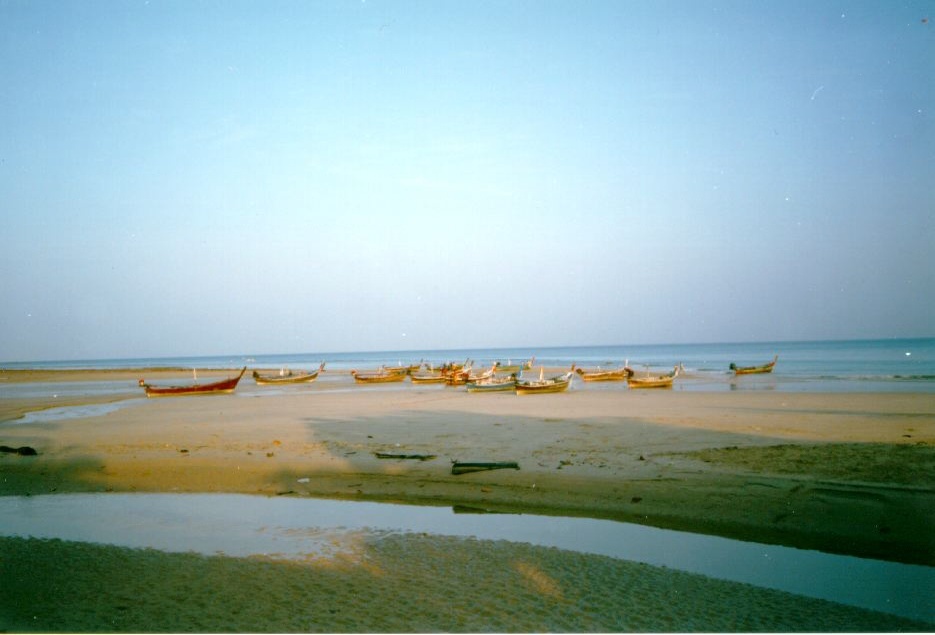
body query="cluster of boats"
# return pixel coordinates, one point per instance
(498, 378)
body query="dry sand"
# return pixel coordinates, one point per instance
(843, 473)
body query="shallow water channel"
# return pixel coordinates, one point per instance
(296, 528)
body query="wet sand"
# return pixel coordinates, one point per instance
(844, 473)
(398, 584)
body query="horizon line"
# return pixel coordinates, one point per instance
(471, 348)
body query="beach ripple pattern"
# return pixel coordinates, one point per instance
(393, 583)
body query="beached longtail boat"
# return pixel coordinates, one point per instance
(604, 375)
(559, 383)
(466, 375)
(287, 377)
(381, 376)
(458, 375)
(753, 370)
(510, 367)
(224, 386)
(450, 367)
(487, 374)
(652, 381)
(492, 384)
(427, 378)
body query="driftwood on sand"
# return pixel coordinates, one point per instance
(459, 467)
(391, 455)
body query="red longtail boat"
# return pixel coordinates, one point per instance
(224, 386)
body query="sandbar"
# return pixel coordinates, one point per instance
(847, 473)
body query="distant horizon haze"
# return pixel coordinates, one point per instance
(531, 350)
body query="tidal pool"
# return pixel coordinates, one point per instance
(297, 528)
(74, 412)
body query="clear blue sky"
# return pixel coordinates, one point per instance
(200, 178)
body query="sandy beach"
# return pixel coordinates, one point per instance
(846, 473)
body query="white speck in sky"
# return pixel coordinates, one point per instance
(817, 90)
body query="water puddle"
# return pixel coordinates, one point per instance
(74, 412)
(299, 528)
(53, 390)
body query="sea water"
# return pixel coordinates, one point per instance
(905, 365)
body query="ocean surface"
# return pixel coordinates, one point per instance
(890, 365)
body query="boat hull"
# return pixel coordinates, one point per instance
(377, 378)
(652, 381)
(544, 386)
(505, 386)
(180, 391)
(224, 387)
(754, 370)
(278, 380)
(433, 379)
(603, 375)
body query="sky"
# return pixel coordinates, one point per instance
(206, 178)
